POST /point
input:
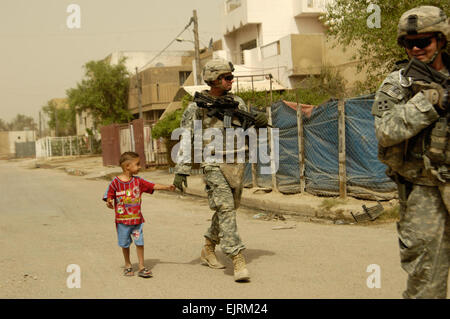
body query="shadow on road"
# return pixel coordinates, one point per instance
(249, 254)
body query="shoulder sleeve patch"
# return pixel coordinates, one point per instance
(383, 102)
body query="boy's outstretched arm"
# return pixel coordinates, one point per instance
(164, 187)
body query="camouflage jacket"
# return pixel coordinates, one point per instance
(403, 120)
(192, 113)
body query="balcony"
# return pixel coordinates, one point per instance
(240, 13)
(309, 8)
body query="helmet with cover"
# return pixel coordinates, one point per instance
(423, 19)
(215, 68)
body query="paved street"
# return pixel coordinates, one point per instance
(50, 220)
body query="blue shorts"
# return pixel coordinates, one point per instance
(127, 233)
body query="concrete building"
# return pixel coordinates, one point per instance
(284, 38)
(161, 76)
(159, 87)
(84, 121)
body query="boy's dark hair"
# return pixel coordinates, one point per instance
(127, 156)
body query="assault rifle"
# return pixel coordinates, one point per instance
(419, 71)
(225, 108)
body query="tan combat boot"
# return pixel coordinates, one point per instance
(208, 256)
(240, 271)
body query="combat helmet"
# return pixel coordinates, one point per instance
(214, 68)
(423, 19)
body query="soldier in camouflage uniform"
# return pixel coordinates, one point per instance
(224, 181)
(405, 115)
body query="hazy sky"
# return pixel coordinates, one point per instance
(41, 57)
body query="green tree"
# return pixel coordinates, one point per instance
(62, 120)
(164, 127)
(22, 122)
(377, 49)
(103, 91)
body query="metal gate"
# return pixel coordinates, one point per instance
(25, 149)
(136, 137)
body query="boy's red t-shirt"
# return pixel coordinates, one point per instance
(127, 199)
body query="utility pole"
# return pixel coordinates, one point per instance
(198, 78)
(40, 124)
(138, 86)
(56, 121)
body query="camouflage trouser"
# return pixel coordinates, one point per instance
(223, 229)
(424, 239)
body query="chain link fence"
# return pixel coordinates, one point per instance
(328, 150)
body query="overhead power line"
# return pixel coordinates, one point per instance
(174, 39)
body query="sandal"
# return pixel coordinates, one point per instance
(128, 272)
(145, 273)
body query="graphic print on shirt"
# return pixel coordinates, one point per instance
(136, 191)
(127, 196)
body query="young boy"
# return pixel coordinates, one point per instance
(124, 195)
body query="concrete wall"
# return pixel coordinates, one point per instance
(307, 53)
(9, 138)
(340, 59)
(309, 26)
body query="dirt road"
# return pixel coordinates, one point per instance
(50, 220)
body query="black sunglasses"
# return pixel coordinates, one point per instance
(228, 77)
(421, 43)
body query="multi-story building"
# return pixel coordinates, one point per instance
(284, 38)
(160, 79)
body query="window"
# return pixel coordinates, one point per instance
(183, 75)
(247, 46)
(310, 3)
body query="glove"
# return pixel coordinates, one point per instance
(261, 120)
(439, 99)
(436, 94)
(179, 180)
